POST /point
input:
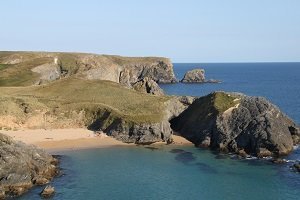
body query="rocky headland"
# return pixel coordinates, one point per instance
(233, 122)
(197, 76)
(22, 167)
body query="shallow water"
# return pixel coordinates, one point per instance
(177, 172)
(169, 172)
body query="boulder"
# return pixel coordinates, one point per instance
(297, 167)
(232, 121)
(22, 165)
(194, 76)
(48, 191)
(147, 85)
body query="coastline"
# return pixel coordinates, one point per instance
(59, 140)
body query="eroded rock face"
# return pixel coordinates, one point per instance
(234, 122)
(147, 85)
(143, 133)
(23, 166)
(194, 76)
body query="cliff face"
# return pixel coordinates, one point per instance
(39, 67)
(22, 167)
(235, 122)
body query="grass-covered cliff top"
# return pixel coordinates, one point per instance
(74, 94)
(16, 66)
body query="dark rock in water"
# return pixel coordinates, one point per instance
(147, 85)
(48, 191)
(194, 76)
(279, 161)
(206, 168)
(177, 151)
(152, 148)
(185, 157)
(22, 166)
(297, 166)
(231, 121)
(213, 81)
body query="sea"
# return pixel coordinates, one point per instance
(186, 172)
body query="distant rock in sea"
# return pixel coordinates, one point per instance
(233, 122)
(197, 76)
(22, 167)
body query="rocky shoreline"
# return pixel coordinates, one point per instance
(23, 167)
(121, 97)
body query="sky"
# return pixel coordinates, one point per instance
(183, 30)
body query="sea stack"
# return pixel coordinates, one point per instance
(197, 76)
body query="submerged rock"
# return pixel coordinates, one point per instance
(147, 85)
(296, 167)
(22, 166)
(232, 122)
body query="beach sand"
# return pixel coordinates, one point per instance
(72, 139)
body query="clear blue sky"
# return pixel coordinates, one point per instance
(185, 31)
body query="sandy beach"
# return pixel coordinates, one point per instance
(72, 139)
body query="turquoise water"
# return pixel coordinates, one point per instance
(176, 172)
(169, 173)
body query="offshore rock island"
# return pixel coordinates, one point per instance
(120, 96)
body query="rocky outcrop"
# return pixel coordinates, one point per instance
(197, 76)
(142, 133)
(47, 192)
(147, 85)
(125, 70)
(48, 72)
(235, 122)
(22, 167)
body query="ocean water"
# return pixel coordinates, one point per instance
(186, 172)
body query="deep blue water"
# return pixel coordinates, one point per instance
(278, 82)
(188, 173)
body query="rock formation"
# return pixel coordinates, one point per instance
(234, 122)
(22, 167)
(147, 85)
(194, 76)
(197, 76)
(47, 192)
(142, 133)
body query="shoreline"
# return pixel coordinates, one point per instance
(60, 140)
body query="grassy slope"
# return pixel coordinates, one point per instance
(72, 94)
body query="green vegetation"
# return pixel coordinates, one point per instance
(71, 95)
(21, 74)
(3, 66)
(68, 63)
(223, 101)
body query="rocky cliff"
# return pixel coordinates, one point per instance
(28, 68)
(235, 122)
(22, 167)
